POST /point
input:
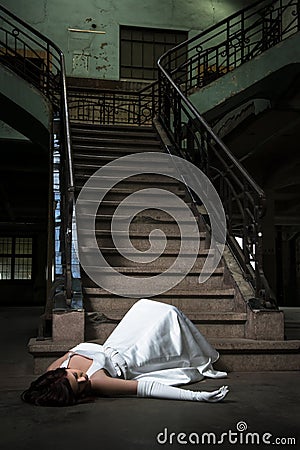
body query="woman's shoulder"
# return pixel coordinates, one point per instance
(87, 346)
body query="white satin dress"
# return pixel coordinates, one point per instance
(154, 341)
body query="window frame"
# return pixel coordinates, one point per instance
(13, 255)
(146, 32)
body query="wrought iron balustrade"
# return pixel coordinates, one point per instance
(114, 106)
(208, 56)
(232, 42)
(38, 60)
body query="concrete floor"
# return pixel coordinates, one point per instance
(266, 402)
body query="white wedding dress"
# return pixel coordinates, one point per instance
(154, 341)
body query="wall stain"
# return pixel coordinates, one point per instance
(105, 67)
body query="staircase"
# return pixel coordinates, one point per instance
(215, 306)
(218, 307)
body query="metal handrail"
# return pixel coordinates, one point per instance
(20, 40)
(231, 42)
(193, 138)
(108, 106)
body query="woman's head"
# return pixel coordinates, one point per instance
(57, 388)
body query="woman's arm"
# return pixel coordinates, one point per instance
(56, 364)
(103, 384)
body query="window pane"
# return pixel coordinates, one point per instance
(23, 246)
(140, 51)
(5, 245)
(23, 268)
(5, 268)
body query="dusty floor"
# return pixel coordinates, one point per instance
(266, 407)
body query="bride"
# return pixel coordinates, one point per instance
(154, 348)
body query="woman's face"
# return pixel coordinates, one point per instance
(79, 381)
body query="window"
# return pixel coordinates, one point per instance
(15, 258)
(140, 49)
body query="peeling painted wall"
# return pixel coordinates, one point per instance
(97, 55)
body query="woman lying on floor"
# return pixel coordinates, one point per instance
(154, 348)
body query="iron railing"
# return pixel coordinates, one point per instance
(38, 60)
(114, 106)
(230, 43)
(208, 56)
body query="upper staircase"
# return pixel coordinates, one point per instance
(215, 306)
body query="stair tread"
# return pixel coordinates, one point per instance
(112, 128)
(90, 140)
(80, 132)
(223, 343)
(91, 150)
(147, 220)
(184, 293)
(242, 344)
(168, 252)
(121, 269)
(122, 169)
(134, 203)
(192, 315)
(139, 234)
(128, 191)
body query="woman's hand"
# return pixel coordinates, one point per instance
(159, 390)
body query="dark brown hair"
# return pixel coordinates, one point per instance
(50, 389)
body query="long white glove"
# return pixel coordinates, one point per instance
(155, 389)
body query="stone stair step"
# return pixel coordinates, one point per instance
(142, 181)
(162, 261)
(147, 228)
(112, 251)
(149, 216)
(192, 300)
(226, 325)
(120, 170)
(236, 354)
(81, 151)
(108, 207)
(112, 128)
(189, 281)
(114, 141)
(140, 271)
(196, 317)
(117, 194)
(99, 132)
(249, 355)
(140, 239)
(123, 178)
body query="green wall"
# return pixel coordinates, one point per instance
(23, 108)
(97, 55)
(7, 132)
